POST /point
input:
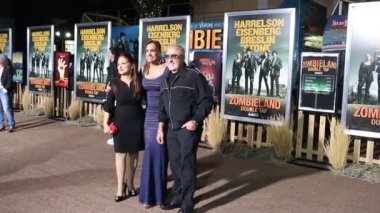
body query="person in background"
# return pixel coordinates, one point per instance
(113, 55)
(124, 102)
(6, 84)
(13, 71)
(154, 167)
(185, 101)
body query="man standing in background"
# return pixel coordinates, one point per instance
(6, 84)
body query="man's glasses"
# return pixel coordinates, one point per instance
(172, 56)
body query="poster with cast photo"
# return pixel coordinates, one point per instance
(6, 42)
(17, 60)
(92, 42)
(40, 49)
(361, 98)
(169, 30)
(318, 80)
(61, 69)
(258, 56)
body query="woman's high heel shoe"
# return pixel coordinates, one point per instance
(120, 198)
(123, 195)
(132, 193)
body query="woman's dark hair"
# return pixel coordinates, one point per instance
(158, 47)
(115, 51)
(135, 75)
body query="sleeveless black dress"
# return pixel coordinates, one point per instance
(129, 118)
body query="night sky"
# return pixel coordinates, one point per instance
(63, 14)
(60, 13)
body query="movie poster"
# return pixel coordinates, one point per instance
(210, 65)
(17, 60)
(170, 30)
(361, 99)
(6, 42)
(258, 56)
(40, 58)
(334, 36)
(91, 62)
(126, 39)
(61, 69)
(318, 80)
(206, 48)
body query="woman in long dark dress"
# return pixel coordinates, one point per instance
(154, 168)
(125, 99)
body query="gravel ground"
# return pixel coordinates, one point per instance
(364, 172)
(38, 111)
(243, 151)
(86, 121)
(369, 173)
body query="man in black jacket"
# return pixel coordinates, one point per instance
(186, 99)
(6, 82)
(264, 71)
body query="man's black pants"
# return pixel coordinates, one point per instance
(274, 81)
(182, 149)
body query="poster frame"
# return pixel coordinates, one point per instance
(23, 66)
(9, 54)
(172, 18)
(109, 28)
(317, 54)
(291, 59)
(347, 67)
(51, 55)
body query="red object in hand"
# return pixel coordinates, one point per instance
(113, 128)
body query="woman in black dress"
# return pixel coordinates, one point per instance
(124, 100)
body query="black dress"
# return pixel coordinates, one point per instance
(128, 117)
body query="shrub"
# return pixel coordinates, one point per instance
(281, 136)
(336, 148)
(75, 110)
(99, 115)
(27, 99)
(215, 127)
(49, 107)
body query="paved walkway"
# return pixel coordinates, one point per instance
(47, 166)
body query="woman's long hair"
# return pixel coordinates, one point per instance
(158, 47)
(115, 52)
(135, 75)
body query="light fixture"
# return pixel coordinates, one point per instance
(68, 35)
(57, 33)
